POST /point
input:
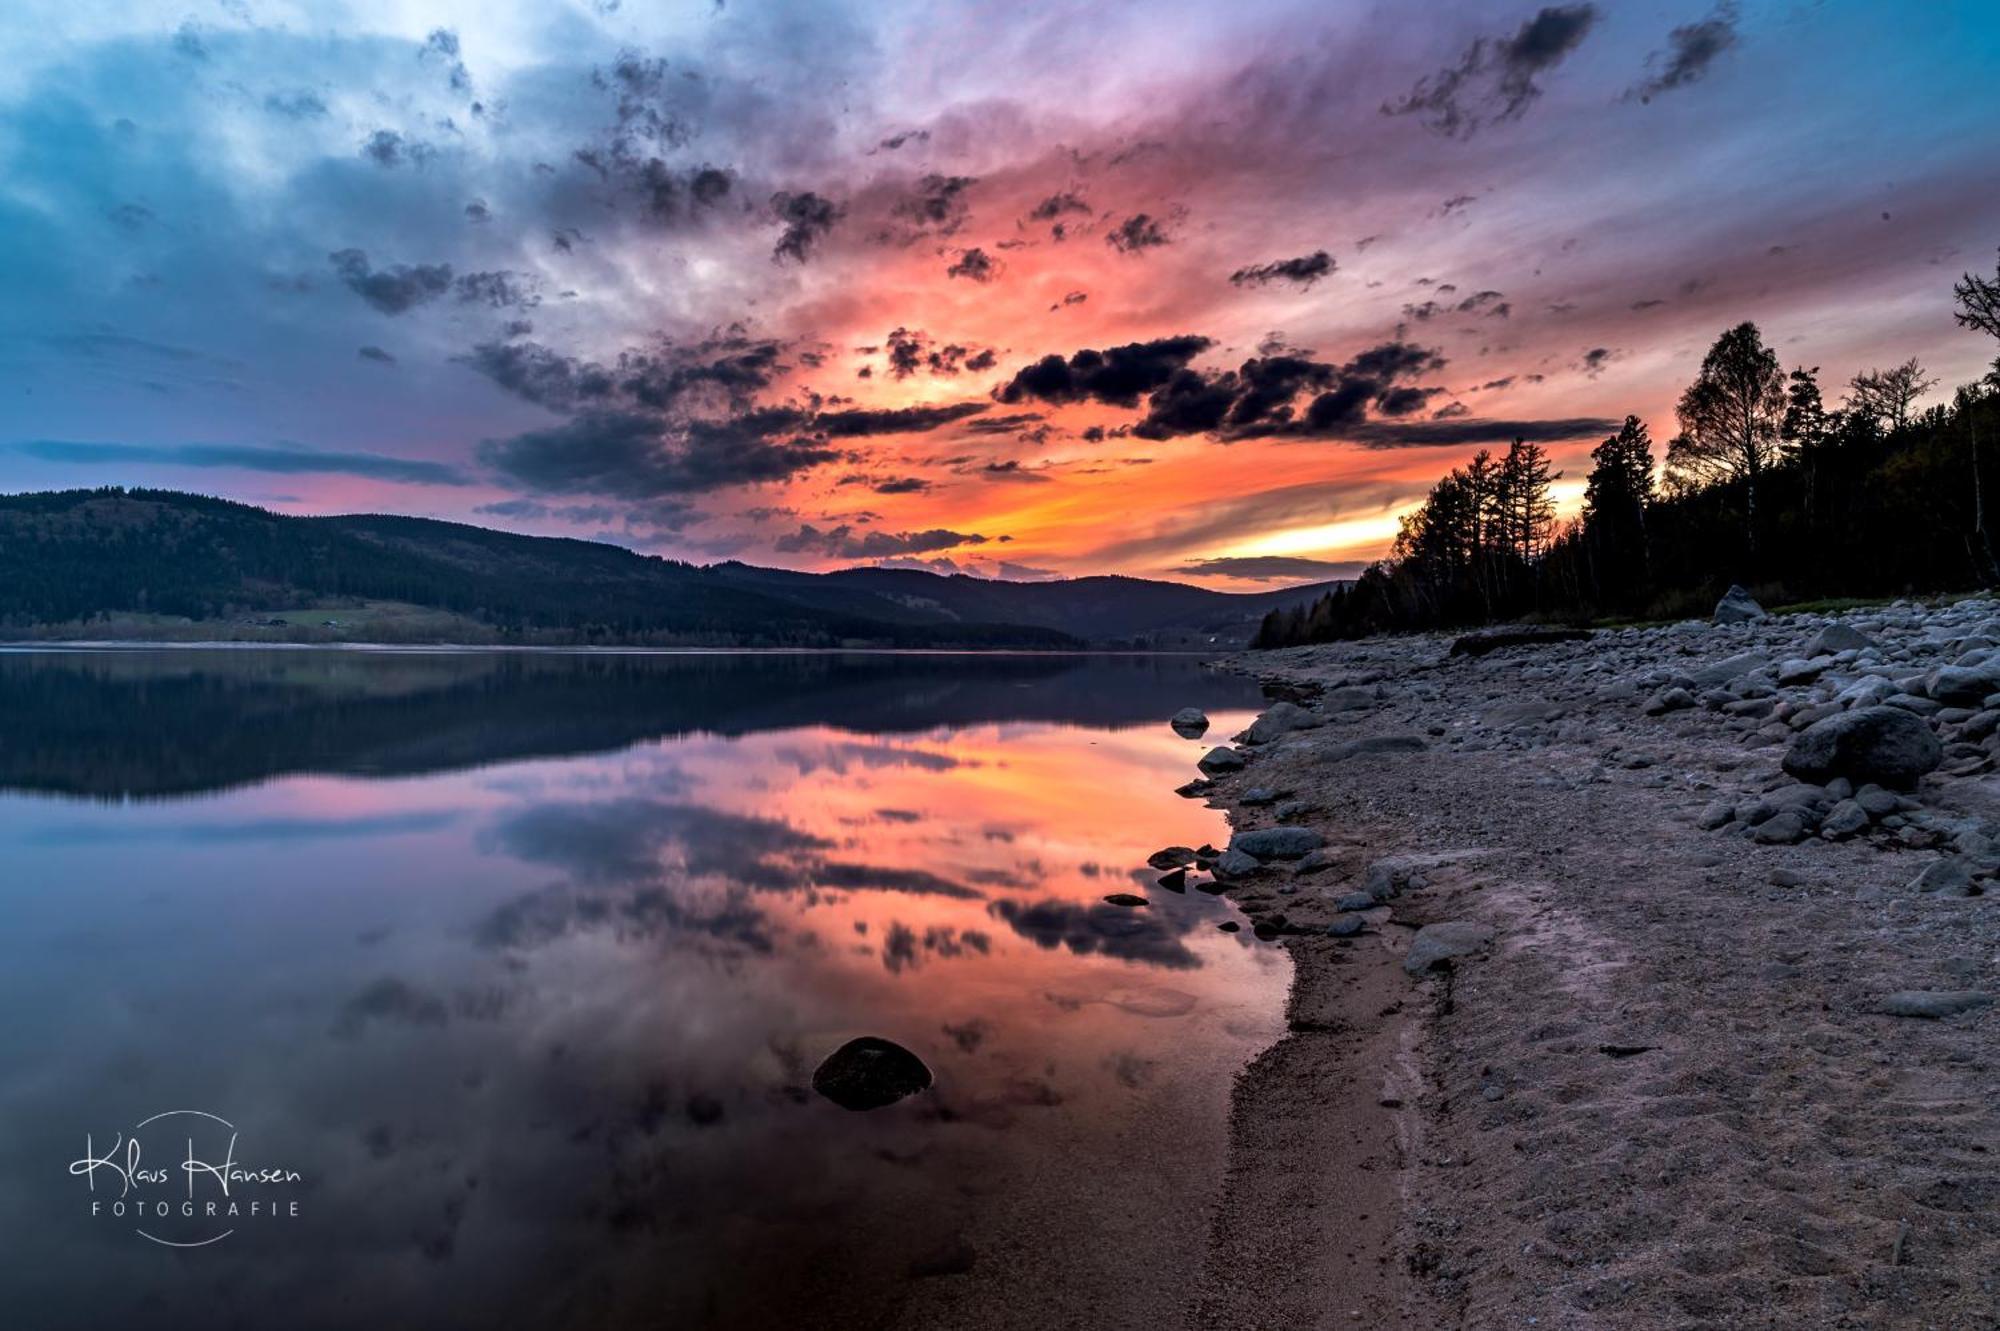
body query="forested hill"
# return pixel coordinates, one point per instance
(151, 558)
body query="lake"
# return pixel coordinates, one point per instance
(485, 989)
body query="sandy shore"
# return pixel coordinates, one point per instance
(1670, 1091)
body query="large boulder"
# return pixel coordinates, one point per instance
(1885, 745)
(1738, 607)
(1221, 760)
(1190, 723)
(1280, 718)
(869, 1072)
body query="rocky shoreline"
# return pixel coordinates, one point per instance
(1645, 980)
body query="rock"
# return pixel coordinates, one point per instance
(1729, 667)
(1229, 926)
(1345, 927)
(1943, 876)
(1965, 686)
(1932, 1003)
(1783, 829)
(1350, 699)
(1836, 638)
(1279, 719)
(1441, 944)
(1669, 700)
(1189, 723)
(1221, 760)
(1317, 861)
(1843, 821)
(1877, 802)
(1174, 880)
(869, 1072)
(1376, 744)
(1292, 810)
(1798, 672)
(1738, 607)
(1172, 857)
(1258, 796)
(1718, 813)
(1129, 899)
(1884, 745)
(1356, 901)
(1234, 863)
(1196, 789)
(1490, 640)
(1277, 843)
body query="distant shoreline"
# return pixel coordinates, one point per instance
(561, 649)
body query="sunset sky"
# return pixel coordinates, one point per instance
(1184, 290)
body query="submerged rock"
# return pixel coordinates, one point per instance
(1885, 745)
(1126, 899)
(1189, 723)
(870, 1072)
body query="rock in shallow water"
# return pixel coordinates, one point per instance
(870, 1072)
(1221, 760)
(1190, 723)
(1886, 745)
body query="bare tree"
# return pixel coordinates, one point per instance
(1886, 396)
(1978, 308)
(1730, 418)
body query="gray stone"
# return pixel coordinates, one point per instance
(1281, 718)
(1442, 944)
(1351, 699)
(1346, 926)
(1258, 795)
(1356, 901)
(1843, 821)
(1877, 802)
(1730, 667)
(1719, 813)
(1235, 864)
(1738, 607)
(1885, 745)
(1221, 760)
(1967, 686)
(1932, 1003)
(1836, 638)
(1190, 722)
(1784, 829)
(1799, 672)
(1376, 744)
(1292, 810)
(1947, 877)
(1277, 843)
(1669, 700)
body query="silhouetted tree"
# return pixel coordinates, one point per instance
(1886, 396)
(1729, 418)
(1616, 496)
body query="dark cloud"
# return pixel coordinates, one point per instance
(1058, 205)
(855, 422)
(1137, 233)
(843, 542)
(1116, 376)
(295, 105)
(1495, 80)
(912, 350)
(1424, 434)
(391, 290)
(896, 141)
(937, 205)
(639, 455)
(807, 219)
(974, 263)
(376, 354)
(889, 485)
(498, 290)
(726, 370)
(247, 457)
(1595, 359)
(1272, 568)
(1012, 470)
(389, 149)
(1304, 270)
(1691, 49)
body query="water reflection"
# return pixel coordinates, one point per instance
(526, 961)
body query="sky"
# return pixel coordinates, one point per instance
(1200, 291)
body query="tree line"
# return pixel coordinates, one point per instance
(1763, 484)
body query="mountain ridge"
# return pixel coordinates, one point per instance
(155, 561)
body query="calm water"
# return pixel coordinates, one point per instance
(521, 964)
